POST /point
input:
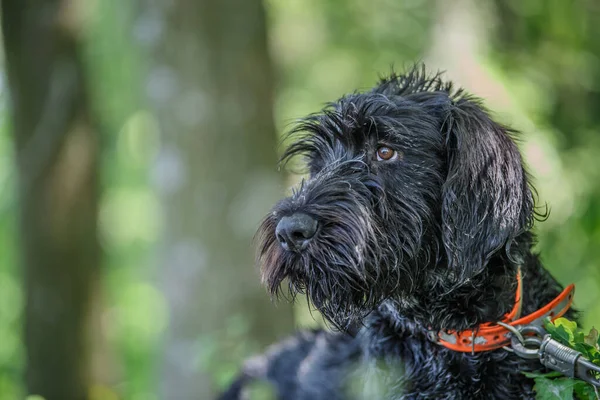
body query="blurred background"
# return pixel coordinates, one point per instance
(138, 148)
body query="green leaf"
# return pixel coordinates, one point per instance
(554, 389)
(589, 352)
(563, 336)
(553, 374)
(558, 332)
(579, 336)
(584, 391)
(569, 325)
(550, 328)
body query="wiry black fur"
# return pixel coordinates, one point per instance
(430, 241)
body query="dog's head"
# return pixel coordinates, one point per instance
(411, 182)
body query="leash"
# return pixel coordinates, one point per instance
(526, 337)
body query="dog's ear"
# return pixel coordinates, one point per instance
(486, 200)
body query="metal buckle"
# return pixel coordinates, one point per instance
(433, 336)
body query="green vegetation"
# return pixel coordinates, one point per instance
(554, 385)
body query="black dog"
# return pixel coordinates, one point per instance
(415, 219)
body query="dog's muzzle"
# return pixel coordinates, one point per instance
(294, 232)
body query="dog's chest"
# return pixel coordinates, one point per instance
(412, 367)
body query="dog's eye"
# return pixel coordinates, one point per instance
(384, 153)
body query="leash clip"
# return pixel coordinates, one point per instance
(532, 341)
(569, 362)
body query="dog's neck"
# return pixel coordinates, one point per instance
(486, 297)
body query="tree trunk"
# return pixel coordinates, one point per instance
(211, 85)
(57, 160)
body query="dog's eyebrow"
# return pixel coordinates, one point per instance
(372, 124)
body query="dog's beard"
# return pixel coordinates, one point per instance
(337, 271)
(342, 270)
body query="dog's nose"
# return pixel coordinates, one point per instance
(295, 231)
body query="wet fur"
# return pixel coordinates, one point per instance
(432, 240)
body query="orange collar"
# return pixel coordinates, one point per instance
(490, 336)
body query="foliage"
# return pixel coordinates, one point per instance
(554, 386)
(549, 54)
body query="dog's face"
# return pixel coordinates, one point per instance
(411, 185)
